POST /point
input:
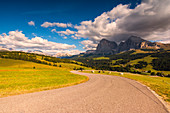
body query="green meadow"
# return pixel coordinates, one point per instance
(18, 77)
(101, 58)
(161, 85)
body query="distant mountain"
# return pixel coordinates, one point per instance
(132, 42)
(60, 55)
(135, 42)
(106, 47)
(36, 52)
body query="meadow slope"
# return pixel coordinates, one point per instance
(18, 77)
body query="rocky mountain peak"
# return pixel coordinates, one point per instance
(135, 39)
(106, 47)
(133, 42)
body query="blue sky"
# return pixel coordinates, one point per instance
(15, 15)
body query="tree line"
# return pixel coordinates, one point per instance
(17, 55)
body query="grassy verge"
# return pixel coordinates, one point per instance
(161, 85)
(18, 77)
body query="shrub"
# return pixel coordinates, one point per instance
(74, 68)
(167, 75)
(81, 69)
(153, 73)
(141, 64)
(160, 74)
(149, 71)
(55, 65)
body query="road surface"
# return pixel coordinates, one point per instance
(101, 94)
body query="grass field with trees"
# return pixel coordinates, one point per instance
(148, 62)
(18, 76)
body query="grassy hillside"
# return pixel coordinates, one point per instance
(147, 59)
(42, 59)
(144, 61)
(18, 77)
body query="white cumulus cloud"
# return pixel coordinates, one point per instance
(49, 24)
(149, 20)
(18, 40)
(67, 32)
(88, 45)
(74, 37)
(31, 23)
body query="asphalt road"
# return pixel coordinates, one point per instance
(101, 94)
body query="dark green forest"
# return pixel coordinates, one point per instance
(163, 61)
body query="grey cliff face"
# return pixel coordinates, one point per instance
(132, 42)
(106, 47)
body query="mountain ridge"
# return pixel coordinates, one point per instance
(133, 42)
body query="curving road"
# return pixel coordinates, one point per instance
(101, 94)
